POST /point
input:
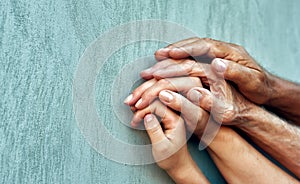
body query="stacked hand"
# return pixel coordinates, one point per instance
(229, 88)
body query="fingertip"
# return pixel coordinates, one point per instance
(150, 121)
(140, 104)
(158, 74)
(133, 124)
(137, 118)
(171, 99)
(146, 75)
(163, 50)
(178, 53)
(197, 93)
(162, 54)
(194, 95)
(166, 96)
(128, 99)
(219, 65)
(147, 120)
(201, 97)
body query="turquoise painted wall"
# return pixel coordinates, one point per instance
(40, 46)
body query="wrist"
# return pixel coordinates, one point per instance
(274, 85)
(256, 114)
(284, 99)
(187, 171)
(181, 167)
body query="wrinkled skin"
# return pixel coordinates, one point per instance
(236, 61)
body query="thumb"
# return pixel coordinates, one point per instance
(232, 71)
(153, 129)
(207, 101)
(201, 97)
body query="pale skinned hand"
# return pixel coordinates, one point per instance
(143, 95)
(230, 151)
(237, 65)
(169, 144)
(229, 106)
(151, 89)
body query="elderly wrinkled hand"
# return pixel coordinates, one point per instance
(181, 59)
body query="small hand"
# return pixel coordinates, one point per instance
(169, 145)
(149, 90)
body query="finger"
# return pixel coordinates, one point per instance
(218, 107)
(147, 74)
(201, 97)
(235, 72)
(154, 129)
(182, 42)
(163, 53)
(136, 94)
(180, 84)
(186, 68)
(179, 103)
(193, 114)
(132, 108)
(168, 117)
(202, 47)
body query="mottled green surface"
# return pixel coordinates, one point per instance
(40, 46)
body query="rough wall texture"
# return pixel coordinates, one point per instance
(40, 46)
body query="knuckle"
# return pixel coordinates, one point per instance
(164, 82)
(196, 81)
(206, 102)
(206, 39)
(139, 115)
(261, 78)
(136, 92)
(187, 65)
(229, 115)
(177, 102)
(155, 131)
(257, 81)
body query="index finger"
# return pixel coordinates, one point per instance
(163, 53)
(202, 47)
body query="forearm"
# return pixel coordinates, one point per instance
(188, 173)
(278, 138)
(239, 162)
(284, 99)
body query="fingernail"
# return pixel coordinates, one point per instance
(149, 123)
(220, 66)
(148, 118)
(195, 95)
(166, 96)
(128, 99)
(138, 103)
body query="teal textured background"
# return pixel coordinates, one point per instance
(40, 46)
